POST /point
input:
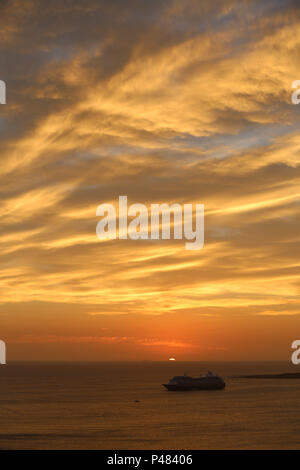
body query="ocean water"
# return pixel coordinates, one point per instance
(93, 406)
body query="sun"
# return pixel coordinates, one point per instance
(172, 359)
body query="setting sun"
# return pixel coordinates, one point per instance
(172, 359)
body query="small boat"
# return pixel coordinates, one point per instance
(182, 383)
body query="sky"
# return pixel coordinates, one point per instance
(174, 101)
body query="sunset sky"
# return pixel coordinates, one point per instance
(163, 101)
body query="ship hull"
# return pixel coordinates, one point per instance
(187, 388)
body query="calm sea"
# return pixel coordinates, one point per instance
(93, 406)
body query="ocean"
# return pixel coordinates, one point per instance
(124, 406)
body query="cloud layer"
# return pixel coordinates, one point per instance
(164, 102)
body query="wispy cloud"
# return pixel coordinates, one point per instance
(163, 101)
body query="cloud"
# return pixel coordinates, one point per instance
(168, 102)
(149, 342)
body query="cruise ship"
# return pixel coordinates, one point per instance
(209, 381)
